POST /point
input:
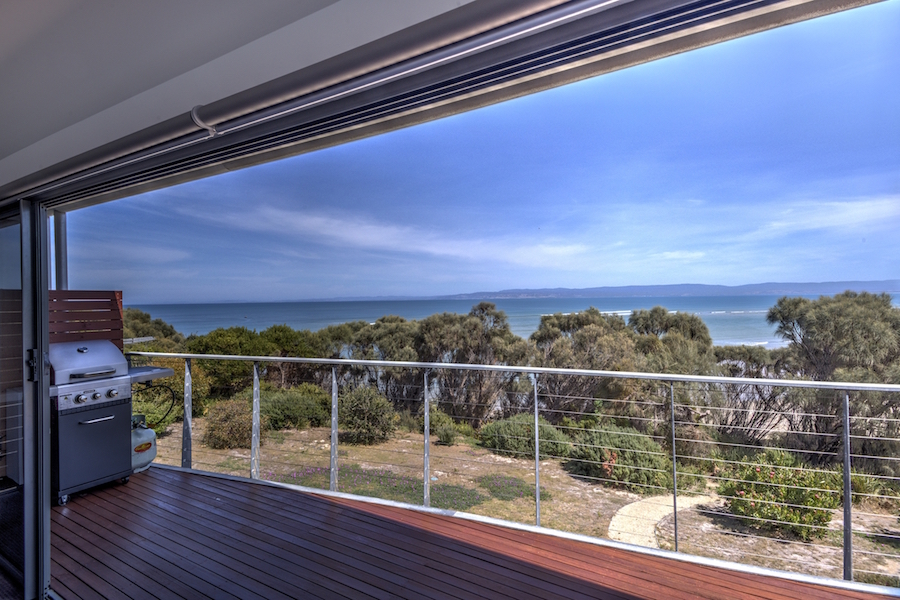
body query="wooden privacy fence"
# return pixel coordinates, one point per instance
(77, 315)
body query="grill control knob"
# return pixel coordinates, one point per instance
(112, 393)
(81, 398)
(96, 395)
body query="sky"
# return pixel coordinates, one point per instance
(774, 157)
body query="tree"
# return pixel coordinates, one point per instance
(747, 413)
(848, 337)
(139, 324)
(230, 376)
(584, 340)
(290, 342)
(847, 331)
(673, 342)
(391, 338)
(480, 337)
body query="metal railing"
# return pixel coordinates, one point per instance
(650, 444)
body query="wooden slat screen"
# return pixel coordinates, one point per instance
(77, 315)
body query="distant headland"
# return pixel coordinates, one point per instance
(692, 289)
(827, 288)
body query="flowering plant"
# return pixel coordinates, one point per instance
(776, 492)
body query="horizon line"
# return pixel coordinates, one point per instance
(687, 289)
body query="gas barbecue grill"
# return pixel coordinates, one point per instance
(91, 417)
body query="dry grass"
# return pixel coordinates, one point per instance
(573, 504)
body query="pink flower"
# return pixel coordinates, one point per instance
(741, 493)
(757, 469)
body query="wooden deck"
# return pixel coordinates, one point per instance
(173, 534)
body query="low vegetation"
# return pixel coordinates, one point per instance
(385, 483)
(621, 456)
(365, 416)
(611, 431)
(515, 437)
(303, 406)
(229, 425)
(776, 492)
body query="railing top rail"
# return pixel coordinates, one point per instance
(662, 377)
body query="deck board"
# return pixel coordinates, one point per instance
(177, 534)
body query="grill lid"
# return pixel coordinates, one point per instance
(86, 361)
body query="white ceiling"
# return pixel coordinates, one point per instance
(77, 74)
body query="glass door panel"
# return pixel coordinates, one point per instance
(12, 475)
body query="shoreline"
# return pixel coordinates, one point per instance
(731, 320)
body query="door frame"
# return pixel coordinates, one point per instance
(35, 395)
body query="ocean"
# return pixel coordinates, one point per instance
(731, 320)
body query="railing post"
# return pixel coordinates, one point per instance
(333, 482)
(674, 466)
(537, 458)
(254, 440)
(427, 465)
(186, 426)
(848, 496)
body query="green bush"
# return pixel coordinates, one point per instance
(465, 430)
(515, 437)
(155, 399)
(862, 486)
(622, 456)
(229, 424)
(774, 493)
(407, 421)
(298, 407)
(436, 419)
(446, 435)
(366, 416)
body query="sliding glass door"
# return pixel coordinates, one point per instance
(24, 406)
(12, 480)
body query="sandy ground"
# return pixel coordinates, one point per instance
(636, 523)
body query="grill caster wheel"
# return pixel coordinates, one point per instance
(63, 499)
(124, 480)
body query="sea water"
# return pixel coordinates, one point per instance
(731, 320)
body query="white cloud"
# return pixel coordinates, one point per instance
(680, 255)
(371, 234)
(834, 214)
(127, 252)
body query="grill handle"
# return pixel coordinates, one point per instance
(100, 420)
(91, 374)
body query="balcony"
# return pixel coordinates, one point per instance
(172, 533)
(302, 514)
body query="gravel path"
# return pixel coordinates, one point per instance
(635, 523)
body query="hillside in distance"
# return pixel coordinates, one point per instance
(693, 289)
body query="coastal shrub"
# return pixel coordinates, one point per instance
(774, 492)
(366, 416)
(407, 421)
(229, 424)
(515, 437)
(465, 430)
(446, 435)
(621, 456)
(863, 487)
(436, 419)
(155, 400)
(297, 407)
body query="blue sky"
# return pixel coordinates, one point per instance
(775, 157)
